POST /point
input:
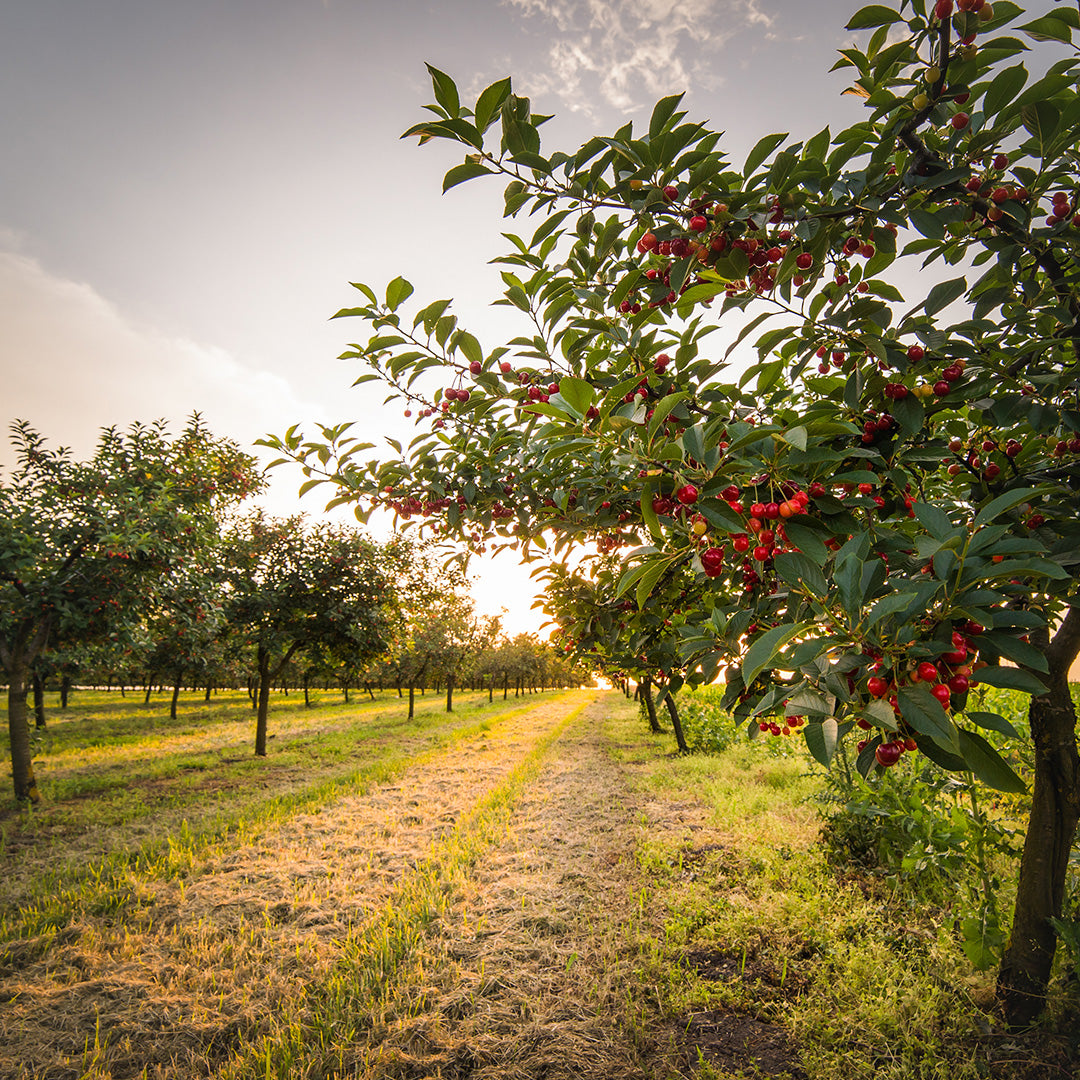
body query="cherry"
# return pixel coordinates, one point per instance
(741, 543)
(877, 686)
(959, 684)
(804, 261)
(941, 692)
(712, 561)
(687, 495)
(915, 353)
(699, 223)
(888, 754)
(960, 121)
(927, 671)
(671, 192)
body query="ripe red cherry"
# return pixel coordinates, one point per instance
(877, 686)
(671, 192)
(959, 684)
(475, 367)
(804, 261)
(687, 494)
(927, 671)
(941, 388)
(698, 223)
(916, 353)
(661, 363)
(888, 754)
(761, 553)
(712, 561)
(941, 692)
(741, 543)
(960, 121)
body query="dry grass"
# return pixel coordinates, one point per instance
(245, 949)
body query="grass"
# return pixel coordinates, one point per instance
(536, 888)
(854, 974)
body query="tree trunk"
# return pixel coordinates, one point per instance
(262, 702)
(491, 690)
(39, 701)
(22, 768)
(450, 693)
(149, 691)
(644, 690)
(307, 697)
(1055, 811)
(175, 696)
(676, 723)
(412, 699)
(209, 688)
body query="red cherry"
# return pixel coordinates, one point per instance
(959, 684)
(671, 192)
(741, 543)
(941, 388)
(941, 692)
(687, 495)
(960, 121)
(804, 261)
(927, 671)
(761, 553)
(915, 353)
(888, 754)
(712, 561)
(877, 686)
(699, 223)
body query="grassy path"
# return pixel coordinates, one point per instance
(209, 942)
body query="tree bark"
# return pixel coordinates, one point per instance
(676, 723)
(412, 698)
(175, 696)
(1055, 810)
(39, 701)
(262, 701)
(644, 689)
(65, 689)
(450, 693)
(22, 768)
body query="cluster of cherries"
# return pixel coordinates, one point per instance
(951, 675)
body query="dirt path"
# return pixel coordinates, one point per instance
(538, 971)
(530, 967)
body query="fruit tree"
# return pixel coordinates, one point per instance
(877, 515)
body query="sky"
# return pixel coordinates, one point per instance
(187, 189)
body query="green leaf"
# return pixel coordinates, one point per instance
(1041, 120)
(873, 15)
(821, 740)
(1004, 88)
(886, 606)
(800, 571)
(764, 649)
(998, 506)
(924, 714)
(397, 292)
(993, 722)
(577, 393)
(649, 579)
(931, 226)
(943, 294)
(934, 520)
(490, 102)
(987, 764)
(662, 113)
(467, 344)
(762, 150)
(663, 409)
(468, 170)
(446, 93)
(1048, 28)
(1009, 678)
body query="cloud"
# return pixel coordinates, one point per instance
(627, 52)
(72, 363)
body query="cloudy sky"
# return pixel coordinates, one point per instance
(186, 189)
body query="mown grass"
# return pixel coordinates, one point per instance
(864, 972)
(170, 812)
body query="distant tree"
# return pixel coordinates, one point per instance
(293, 586)
(84, 546)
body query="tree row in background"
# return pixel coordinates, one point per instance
(136, 567)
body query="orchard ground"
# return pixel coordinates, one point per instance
(528, 888)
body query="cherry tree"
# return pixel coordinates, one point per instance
(85, 546)
(878, 512)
